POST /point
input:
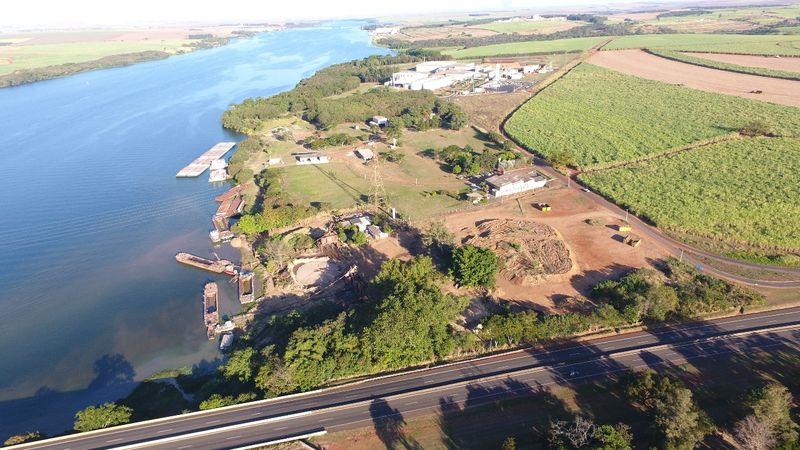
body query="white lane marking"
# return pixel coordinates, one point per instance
(184, 446)
(327, 419)
(411, 403)
(280, 428)
(256, 414)
(164, 431)
(427, 381)
(114, 440)
(233, 437)
(506, 366)
(211, 421)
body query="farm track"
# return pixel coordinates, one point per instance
(677, 248)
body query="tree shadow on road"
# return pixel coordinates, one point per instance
(389, 425)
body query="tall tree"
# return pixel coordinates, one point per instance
(474, 266)
(102, 416)
(772, 405)
(753, 433)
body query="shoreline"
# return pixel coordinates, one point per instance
(22, 77)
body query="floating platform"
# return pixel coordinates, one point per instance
(219, 266)
(203, 162)
(246, 287)
(233, 206)
(211, 308)
(232, 192)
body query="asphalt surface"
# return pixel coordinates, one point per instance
(381, 400)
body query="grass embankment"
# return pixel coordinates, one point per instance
(713, 185)
(702, 62)
(527, 48)
(740, 192)
(779, 45)
(601, 117)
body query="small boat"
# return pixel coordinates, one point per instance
(226, 341)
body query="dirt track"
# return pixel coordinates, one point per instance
(767, 62)
(645, 65)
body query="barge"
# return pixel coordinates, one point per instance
(246, 287)
(211, 308)
(203, 162)
(219, 266)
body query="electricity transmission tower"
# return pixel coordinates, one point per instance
(377, 191)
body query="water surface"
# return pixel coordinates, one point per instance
(92, 216)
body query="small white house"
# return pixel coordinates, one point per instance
(274, 161)
(375, 232)
(361, 222)
(311, 158)
(364, 153)
(379, 121)
(515, 182)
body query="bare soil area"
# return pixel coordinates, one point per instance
(645, 65)
(788, 64)
(588, 232)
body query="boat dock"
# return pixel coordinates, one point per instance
(211, 308)
(219, 266)
(246, 287)
(203, 162)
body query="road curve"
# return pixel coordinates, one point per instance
(677, 248)
(439, 388)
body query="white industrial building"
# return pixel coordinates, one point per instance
(434, 75)
(311, 158)
(515, 182)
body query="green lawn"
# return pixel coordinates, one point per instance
(744, 190)
(601, 117)
(526, 26)
(788, 45)
(23, 56)
(527, 48)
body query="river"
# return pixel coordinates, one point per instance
(92, 216)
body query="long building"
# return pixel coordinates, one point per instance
(516, 182)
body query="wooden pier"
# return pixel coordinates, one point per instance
(203, 162)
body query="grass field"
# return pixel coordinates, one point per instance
(529, 26)
(585, 115)
(785, 45)
(527, 48)
(741, 191)
(16, 57)
(703, 62)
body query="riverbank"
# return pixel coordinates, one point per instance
(27, 57)
(104, 215)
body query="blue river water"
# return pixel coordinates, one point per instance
(92, 215)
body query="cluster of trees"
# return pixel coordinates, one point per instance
(237, 164)
(583, 433)
(62, 70)
(468, 161)
(306, 99)
(643, 295)
(406, 322)
(474, 266)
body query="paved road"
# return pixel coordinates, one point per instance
(417, 392)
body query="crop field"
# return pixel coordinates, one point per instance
(530, 26)
(784, 45)
(741, 191)
(16, 57)
(584, 115)
(721, 65)
(764, 62)
(528, 48)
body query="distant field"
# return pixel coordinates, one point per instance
(530, 26)
(741, 191)
(531, 47)
(586, 115)
(16, 57)
(787, 45)
(711, 63)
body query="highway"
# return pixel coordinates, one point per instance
(521, 372)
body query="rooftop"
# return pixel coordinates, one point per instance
(515, 177)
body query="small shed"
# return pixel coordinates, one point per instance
(633, 241)
(379, 121)
(311, 158)
(375, 232)
(365, 153)
(329, 238)
(624, 227)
